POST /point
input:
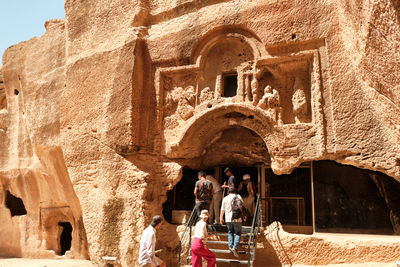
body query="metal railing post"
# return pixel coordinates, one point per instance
(188, 224)
(253, 233)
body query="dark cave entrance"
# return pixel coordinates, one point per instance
(180, 200)
(353, 200)
(15, 204)
(65, 237)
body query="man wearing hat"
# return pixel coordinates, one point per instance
(246, 191)
(198, 249)
(147, 257)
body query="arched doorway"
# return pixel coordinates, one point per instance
(237, 147)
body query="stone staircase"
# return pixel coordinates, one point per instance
(219, 245)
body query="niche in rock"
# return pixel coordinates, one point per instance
(15, 205)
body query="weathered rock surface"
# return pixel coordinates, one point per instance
(99, 115)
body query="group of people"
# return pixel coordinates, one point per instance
(209, 193)
(234, 209)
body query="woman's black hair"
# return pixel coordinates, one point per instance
(156, 220)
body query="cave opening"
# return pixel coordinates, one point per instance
(236, 147)
(15, 205)
(65, 237)
(353, 200)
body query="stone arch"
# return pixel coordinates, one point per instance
(226, 58)
(212, 37)
(206, 127)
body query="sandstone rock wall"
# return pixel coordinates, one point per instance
(33, 166)
(99, 115)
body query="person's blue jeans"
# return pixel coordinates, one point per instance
(234, 232)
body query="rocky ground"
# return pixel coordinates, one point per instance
(44, 263)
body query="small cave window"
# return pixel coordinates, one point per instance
(15, 204)
(65, 237)
(230, 84)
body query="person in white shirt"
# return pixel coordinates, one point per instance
(147, 257)
(216, 200)
(199, 250)
(234, 225)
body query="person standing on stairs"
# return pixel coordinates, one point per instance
(216, 200)
(199, 250)
(232, 181)
(246, 191)
(233, 219)
(203, 192)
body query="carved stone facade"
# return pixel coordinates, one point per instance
(100, 116)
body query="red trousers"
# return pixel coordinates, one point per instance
(200, 251)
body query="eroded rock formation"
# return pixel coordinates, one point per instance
(99, 115)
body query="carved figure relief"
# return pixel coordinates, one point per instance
(186, 102)
(179, 90)
(271, 102)
(206, 94)
(255, 91)
(183, 99)
(287, 89)
(299, 101)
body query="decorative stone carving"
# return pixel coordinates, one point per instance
(184, 98)
(291, 76)
(299, 101)
(271, 102)
(186, 103)
(254, 91)
(206, 94)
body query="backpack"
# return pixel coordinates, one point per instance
(204, 190)
(238, 208)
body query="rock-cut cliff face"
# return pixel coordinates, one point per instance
(100, 114)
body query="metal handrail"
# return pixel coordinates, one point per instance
(254, 230)
(188, 224)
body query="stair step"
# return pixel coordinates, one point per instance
(234, 261)
(222, 228)
(224, 242)
(228, 261)
(226, 251)
(226, 234)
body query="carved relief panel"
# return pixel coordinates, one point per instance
(178, 88)
(282, 87)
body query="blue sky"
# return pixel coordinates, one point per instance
(21, 20)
